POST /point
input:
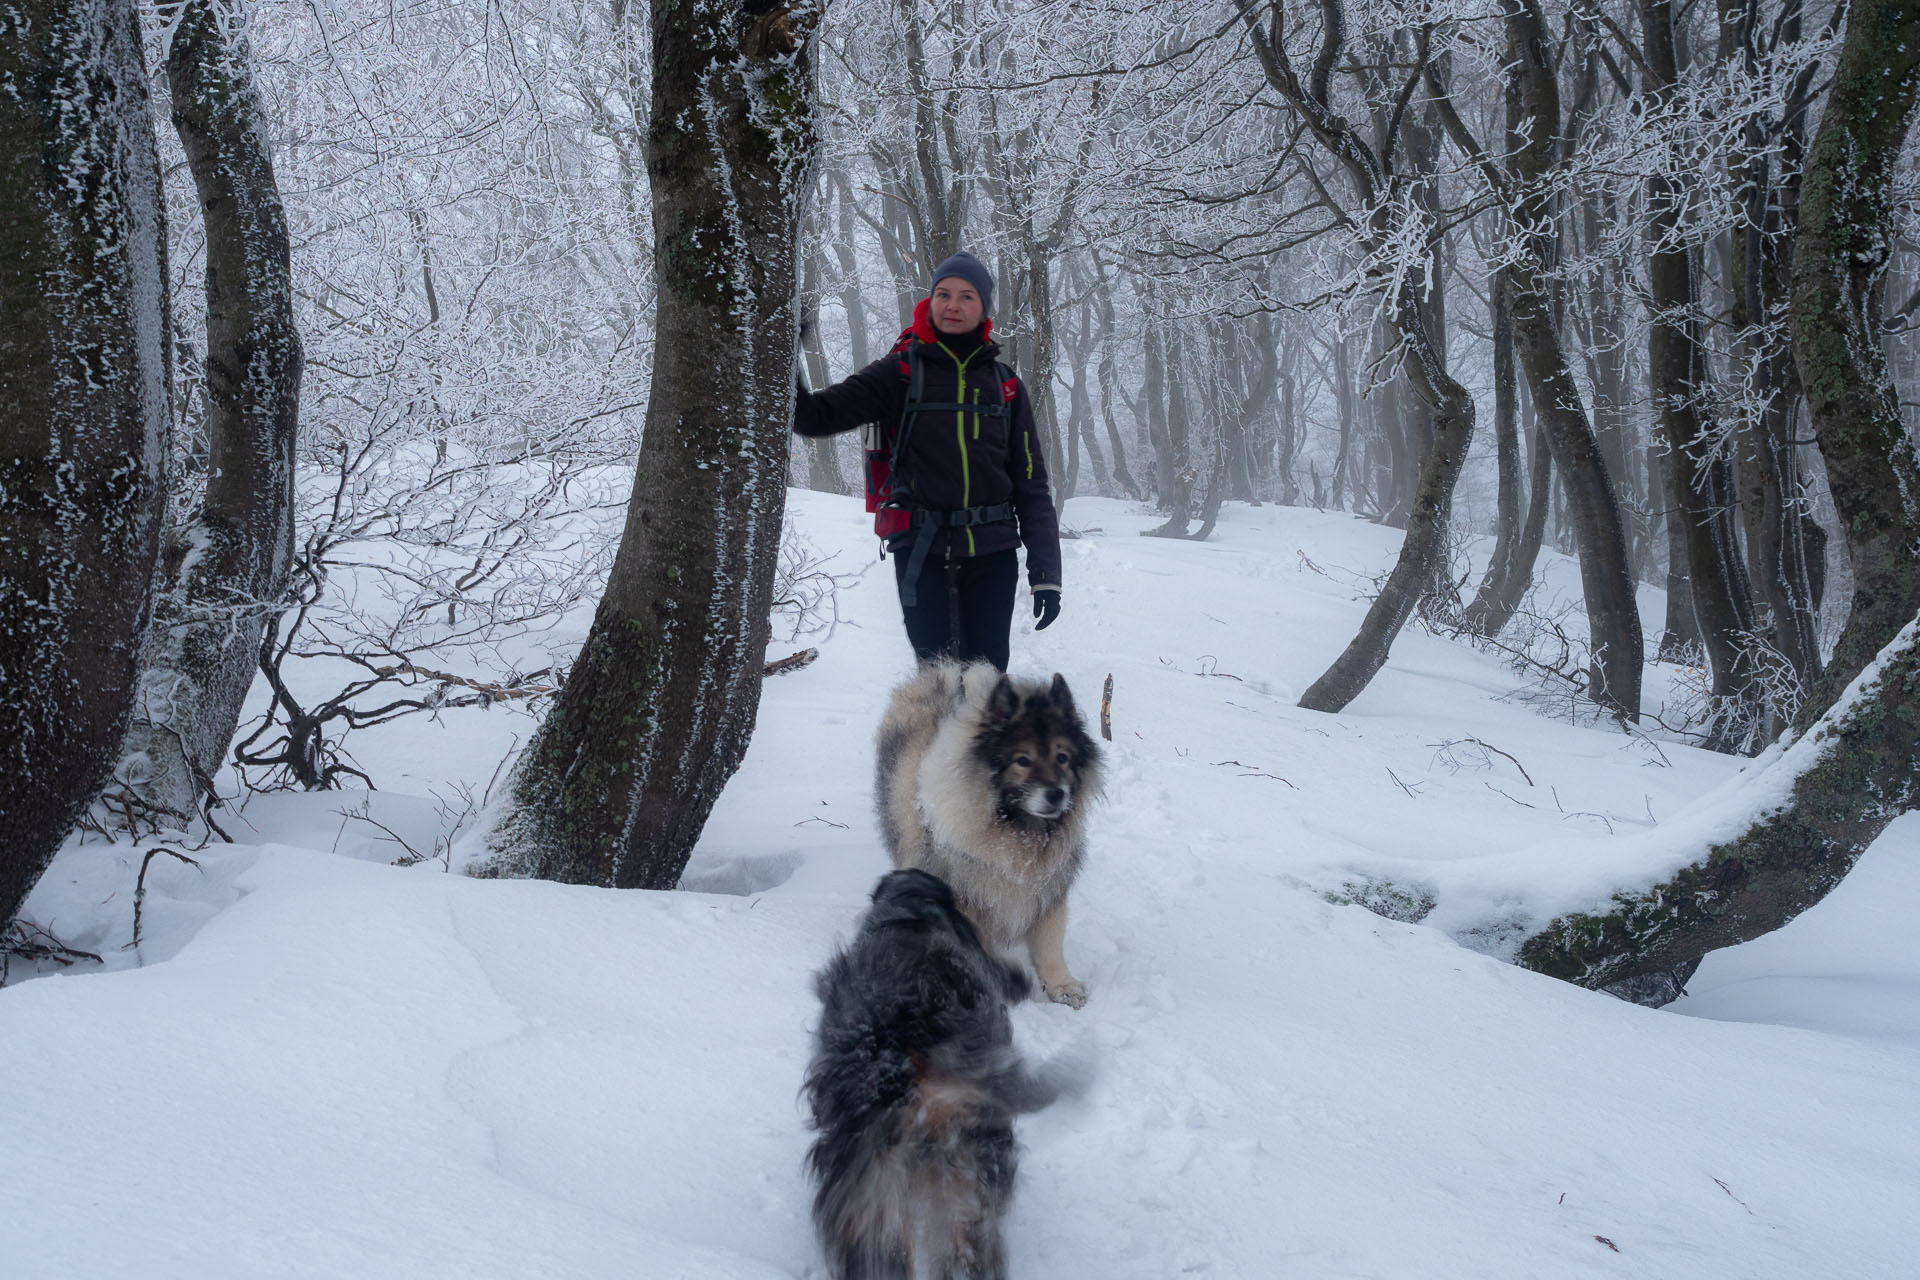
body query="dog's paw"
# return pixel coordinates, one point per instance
(1072, 992)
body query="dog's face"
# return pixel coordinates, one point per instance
(1037, 749)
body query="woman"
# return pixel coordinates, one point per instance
(965, 481)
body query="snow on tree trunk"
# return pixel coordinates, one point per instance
(1856, 767)
(223, 570)
(656, 713)
(84, 406)
(1856, 771)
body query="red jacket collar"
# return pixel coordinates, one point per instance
(923, 325)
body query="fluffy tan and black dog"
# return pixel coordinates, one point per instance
(985, 781)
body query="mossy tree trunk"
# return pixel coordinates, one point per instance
(1856, 764)
(222, 572)
(1853, 773)
(1842, 245)
(84, 407)
(618, 781)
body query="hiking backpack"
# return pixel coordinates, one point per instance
(889, 493)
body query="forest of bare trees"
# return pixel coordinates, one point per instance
(404, 293)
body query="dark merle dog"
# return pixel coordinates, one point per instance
(914, 1085)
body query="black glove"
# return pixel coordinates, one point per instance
(1046, 607)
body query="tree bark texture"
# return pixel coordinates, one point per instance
(618, 781)
(84, 407)
(1841, 250)
(222, 572)
(1856, 766)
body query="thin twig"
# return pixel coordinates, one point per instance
(140, 885)
(1487, 746)
(1252, 770)
(1522, 803)
(31, 942)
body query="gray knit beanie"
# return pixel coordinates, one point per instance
(967, 267)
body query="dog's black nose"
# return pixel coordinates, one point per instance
(1056, 796)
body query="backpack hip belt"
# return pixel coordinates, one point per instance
(925, 521)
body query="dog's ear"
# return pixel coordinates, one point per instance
(1061, 695)
(1003, 703)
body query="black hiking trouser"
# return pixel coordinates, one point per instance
(978, 589)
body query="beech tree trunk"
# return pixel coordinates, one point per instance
(84, 407)
(1698, 486)
(222, 572)
(1841, 249)
(1450, 407)
(1770, 475)
(1681, 633)
(1606, 578)
(1856, 764)
(618, 781)
(1110, 392)
(1517, 538)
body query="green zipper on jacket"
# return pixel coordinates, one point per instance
(960, 430)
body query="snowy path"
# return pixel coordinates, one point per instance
(331, 1067)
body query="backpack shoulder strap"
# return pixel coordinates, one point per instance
(910, 410)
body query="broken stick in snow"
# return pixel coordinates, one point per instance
(793, 663)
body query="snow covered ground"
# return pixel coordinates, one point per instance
(321, 1064)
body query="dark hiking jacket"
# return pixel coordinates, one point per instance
(953, 460)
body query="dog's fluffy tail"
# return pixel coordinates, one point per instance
(1067, 1074)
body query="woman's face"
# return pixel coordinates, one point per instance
(956, 308)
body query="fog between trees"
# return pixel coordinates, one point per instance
(1632, 281)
